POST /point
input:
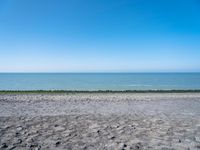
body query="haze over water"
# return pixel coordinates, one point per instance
(99, 81)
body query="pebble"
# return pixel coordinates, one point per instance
(34, 147)
(19, 141)
(198, 146)
(112, 137)
(17, 134)
(4, 145)
(138, 146)
(122, 146)
(55, 125)
(57, 143)
(19, 128)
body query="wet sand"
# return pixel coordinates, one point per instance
(100, 121)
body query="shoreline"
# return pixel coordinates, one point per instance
(95, 91)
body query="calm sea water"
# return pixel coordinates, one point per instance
(99, 81)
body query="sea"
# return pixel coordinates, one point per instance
(99, 81)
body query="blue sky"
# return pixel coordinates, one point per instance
(99, 36)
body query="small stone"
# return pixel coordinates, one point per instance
(112, 137)
(17, 134)
(138, 146)
(198, 146)
(57, 143)
(122, 146)
(4, 145)
(31, 146)
(35, 147)
(98, 131)
(19, 128)
(19, 141)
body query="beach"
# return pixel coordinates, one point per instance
(137, 121)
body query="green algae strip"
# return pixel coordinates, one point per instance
(97, 91)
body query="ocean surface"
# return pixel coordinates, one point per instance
(99, 81)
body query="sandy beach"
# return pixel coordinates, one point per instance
(137, 121)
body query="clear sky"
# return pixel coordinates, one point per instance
(99, 35)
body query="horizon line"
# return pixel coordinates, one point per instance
(113, 72)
